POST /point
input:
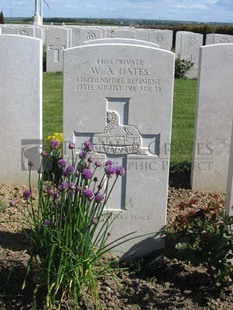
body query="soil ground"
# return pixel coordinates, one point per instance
(170, 285)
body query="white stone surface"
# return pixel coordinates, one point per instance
(21, 107)
(214, 112)
(141, 34)
(120, 33)
(80, 35)
(229, 192)
(19, 30)
(187, 47)
(216, 38)
(120, 96)
(161, 37)
(57, 40)
(122, 41)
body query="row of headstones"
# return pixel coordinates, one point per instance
(57, 39)
(120, 97)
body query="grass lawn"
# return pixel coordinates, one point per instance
(183, 123)
(183, 115)
(52, 103)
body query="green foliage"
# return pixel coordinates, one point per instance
(182, 67)
(70, 230)
(51, 157)
(52, 103)
(2, 18)
(3, 206)
(183, 124)
(204, 235)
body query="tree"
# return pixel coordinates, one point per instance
(1, 18)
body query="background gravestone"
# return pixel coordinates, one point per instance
(213, 118)
(21, 107)
(120, 33)
(57, 40)
(121, 41)
(80, 35)
(120, 96)
(141, 34)
(216, 38)
(19, 30)
(161, 37)
(187, 48)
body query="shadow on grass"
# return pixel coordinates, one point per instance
(180, 175)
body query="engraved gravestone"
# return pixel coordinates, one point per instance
(57, 40)
(217, 38)
(120, 97)
(187, 48)
(21, 107)
(80, 35)
(213, 118)
(161, 37)
(19, 30)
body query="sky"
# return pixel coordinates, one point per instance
(183, 10)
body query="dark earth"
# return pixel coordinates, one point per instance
(171, 285)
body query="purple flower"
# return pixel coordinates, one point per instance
(95, 221)
(30, 163)
(82, 155)
(46, 222)
(72, 185)
(120, 171)
(54, 144)
(44, 154)
(63, 186)
(88, 145)
(71, 146)
(90, 159)
(79, 188)
(108, 163)
(69, 170)
(56, 195)
(109, 170)
(61, 163)
(27, 194)
(50, 192)
(88, 193)
(87, 174)
(99, 197)
(12, 203)
(98, 163)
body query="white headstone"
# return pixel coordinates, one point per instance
(21, 107)
(57, 40)
(216, 38)
(213, 118)
(80, 35)
(187, 48)
(19, 30)
(39, 33)
(141, 34)
(122, 41)
(120, 96)
(161, 37)
(120, 33)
